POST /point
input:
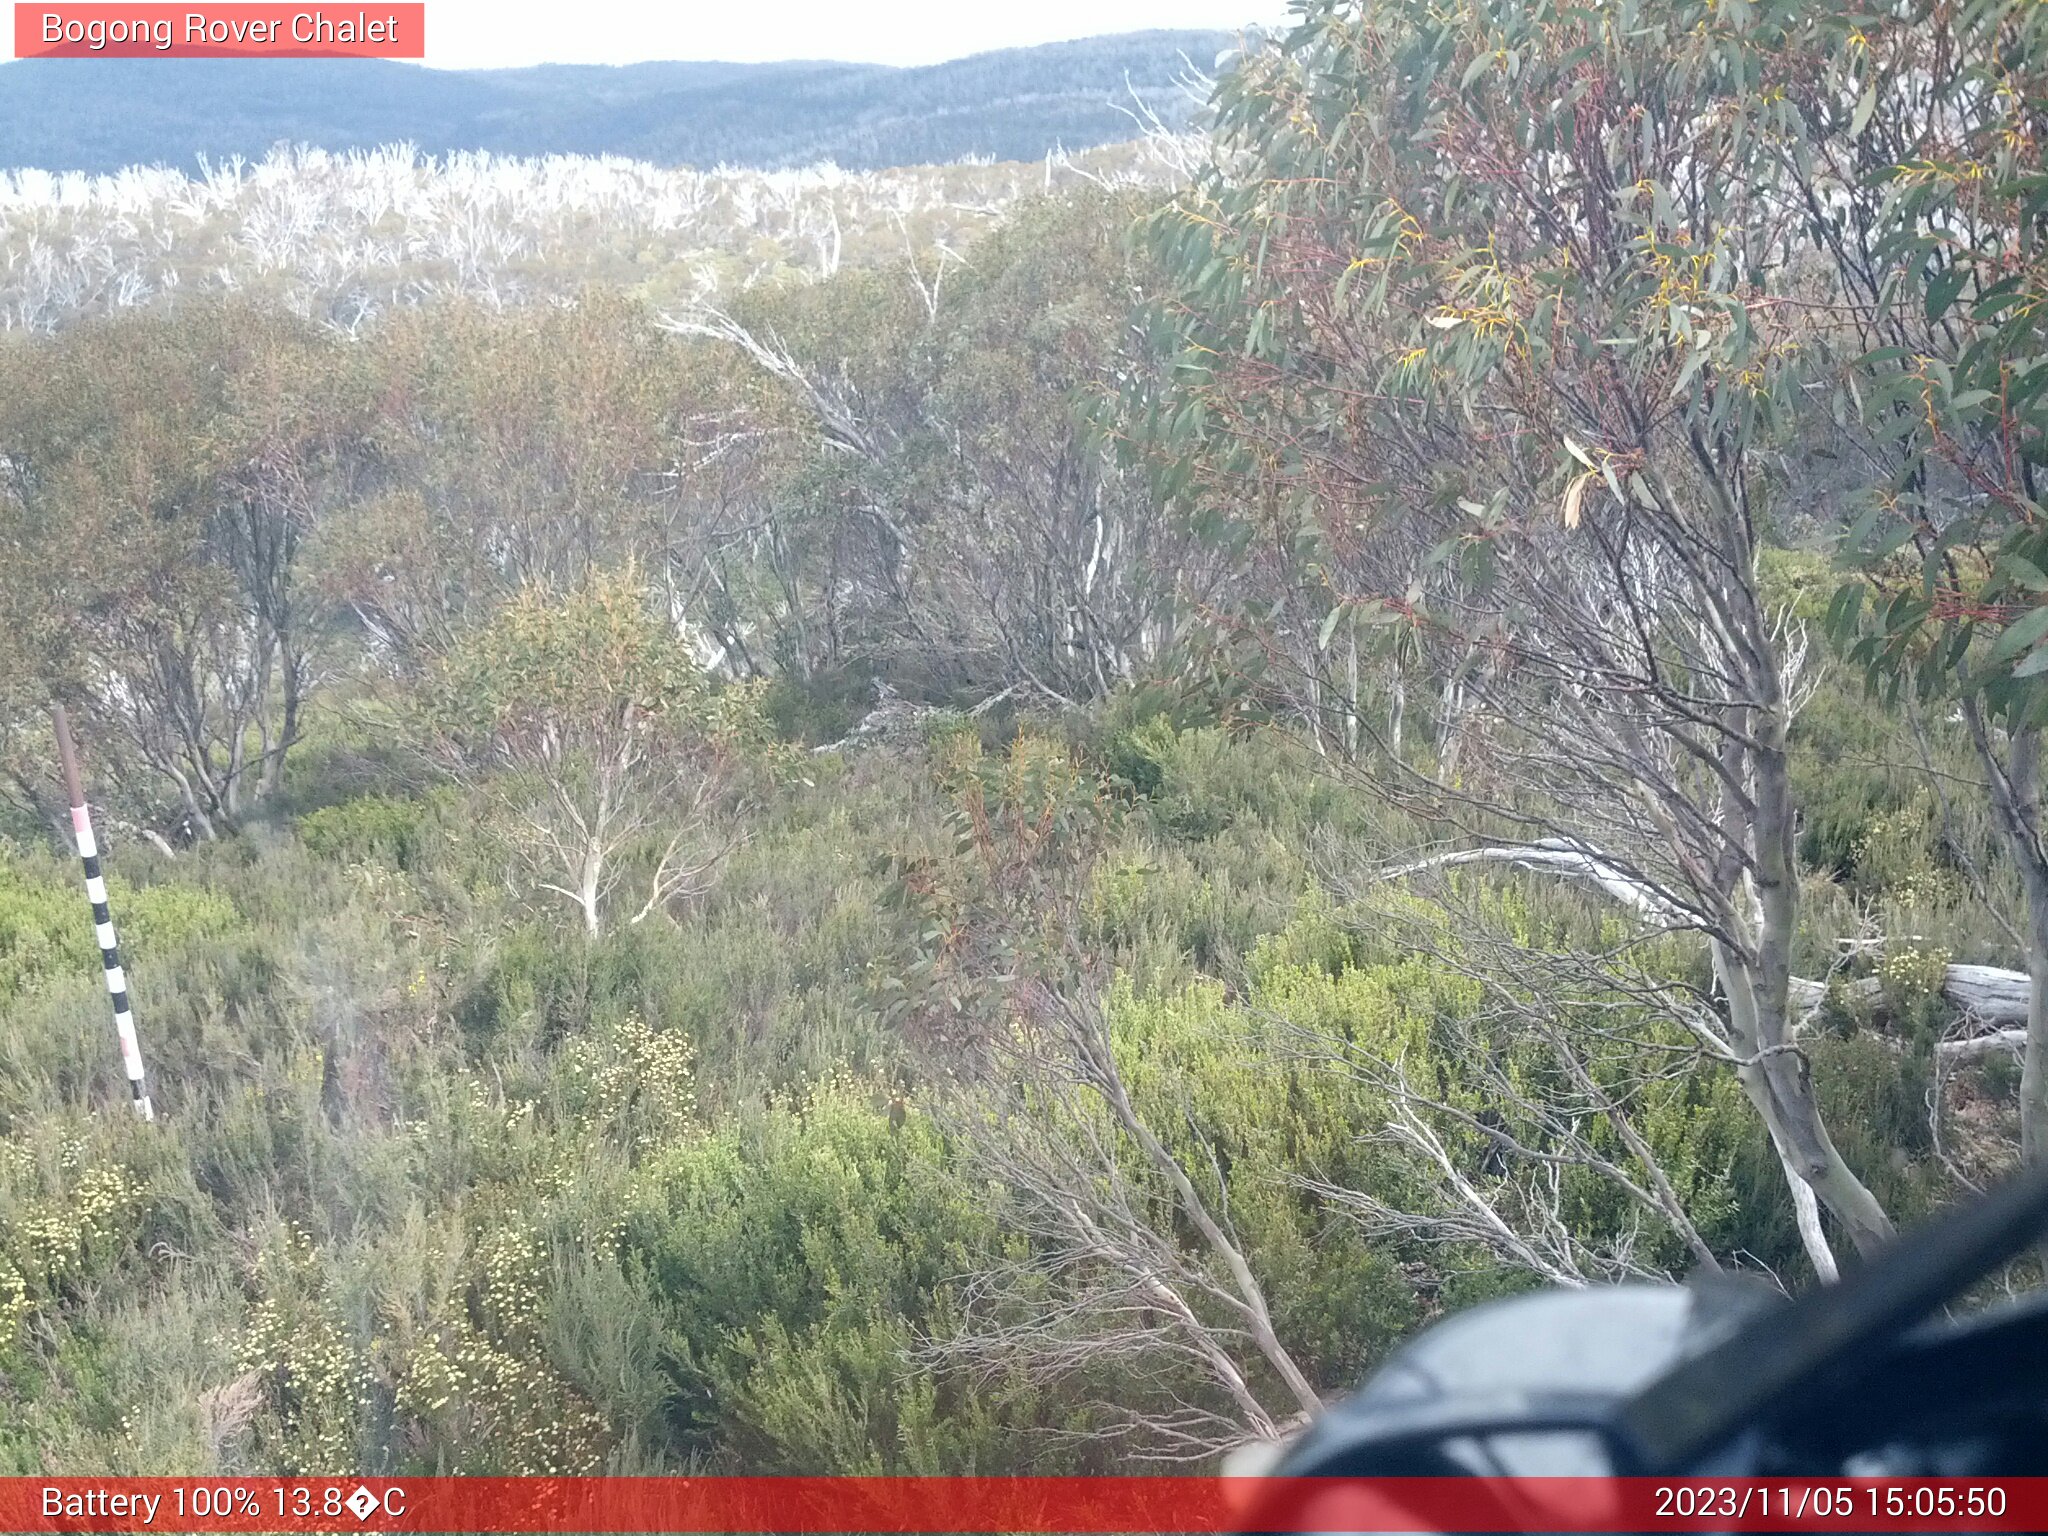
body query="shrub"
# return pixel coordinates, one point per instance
(380, 829)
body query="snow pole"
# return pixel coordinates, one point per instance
(102, 919)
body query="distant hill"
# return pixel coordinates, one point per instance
(101, 115)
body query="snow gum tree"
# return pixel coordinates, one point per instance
(602, 745)
(1475, 356)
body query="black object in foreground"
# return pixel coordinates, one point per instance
(1725, 1378)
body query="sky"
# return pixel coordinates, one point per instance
(488, 34)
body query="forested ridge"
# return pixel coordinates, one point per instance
(1012, 104)
(837, 836)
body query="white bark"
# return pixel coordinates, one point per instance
(1990, 993)
(1986, 992)
(1975, 1046)
(1806, 1211)
(1565, 858)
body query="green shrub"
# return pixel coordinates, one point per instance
(794, 1256)
(46, 927)
(382, 829)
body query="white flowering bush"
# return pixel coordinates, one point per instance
(629, 1081)
(478, 1386)
(307, 1358)
(59, 1225)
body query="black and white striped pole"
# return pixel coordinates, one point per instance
(102, 919)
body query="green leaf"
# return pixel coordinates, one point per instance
(2034, 664)
(1862, 528)
(1894, 540)
(1942, 291)
(1845, 609)
(1685, 374)
(1335, 617)
(1866, 104)
(2025, 572)
(2026, 632)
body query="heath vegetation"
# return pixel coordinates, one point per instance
(764, 822)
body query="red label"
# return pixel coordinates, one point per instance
(238, 31)
(924, 1506)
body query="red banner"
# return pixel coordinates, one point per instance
(237, 31)
(910, 1505)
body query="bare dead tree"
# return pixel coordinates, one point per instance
(570, 822)
(980, 532)
(1558, 1056)
(1136, 1272)
(185, 685)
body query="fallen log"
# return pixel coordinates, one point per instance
(1805, 996)
(1976, 1046)
(1986, 993)
(1992, 994)
(1989, 994)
